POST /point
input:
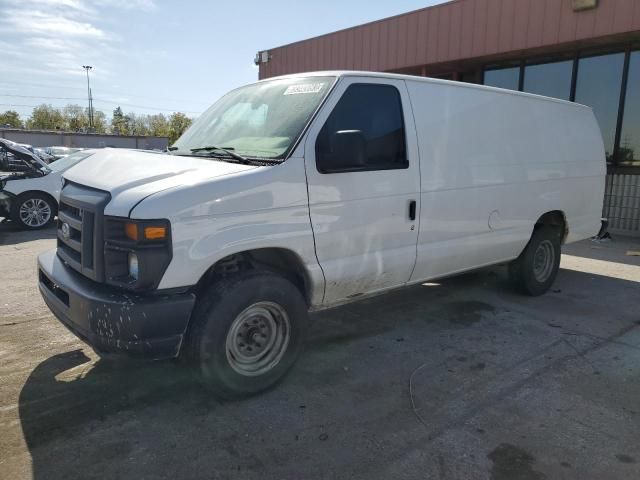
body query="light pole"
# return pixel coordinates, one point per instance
(87, 68)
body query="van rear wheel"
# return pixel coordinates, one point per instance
(535, 270)
(247, 331)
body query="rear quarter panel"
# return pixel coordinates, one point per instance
(492, 162)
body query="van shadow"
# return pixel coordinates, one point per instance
(12, 234)
(130, 419)
(68, 390)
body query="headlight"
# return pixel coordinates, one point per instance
(133, 266)
(137, 252)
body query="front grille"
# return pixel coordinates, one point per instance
(70, 236)
(80, 231)
(53, 288)
(71, 210)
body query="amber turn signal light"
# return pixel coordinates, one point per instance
(131, 230)
(155, 233)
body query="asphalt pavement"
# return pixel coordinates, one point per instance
(455, 379)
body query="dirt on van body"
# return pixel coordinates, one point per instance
(461, 378)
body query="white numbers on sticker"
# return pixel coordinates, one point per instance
(303, 88)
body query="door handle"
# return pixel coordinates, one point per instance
(412, 210)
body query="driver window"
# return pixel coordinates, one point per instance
(365, 131)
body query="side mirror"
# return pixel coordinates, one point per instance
(349, 146)
(348, 150)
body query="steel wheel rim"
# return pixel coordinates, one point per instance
(35, 212)
(543, 261)
(258, 339)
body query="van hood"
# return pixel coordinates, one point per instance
(132, 175)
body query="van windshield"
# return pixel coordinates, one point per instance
(262, 120)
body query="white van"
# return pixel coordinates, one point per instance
(307, 191)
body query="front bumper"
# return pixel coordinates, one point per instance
(110, 320)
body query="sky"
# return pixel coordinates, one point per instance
(155, 56)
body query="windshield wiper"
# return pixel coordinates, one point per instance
(227, 150)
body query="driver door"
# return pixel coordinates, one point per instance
(363, 175)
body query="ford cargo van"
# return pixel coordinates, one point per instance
(308, 191)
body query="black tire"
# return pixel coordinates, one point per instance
(221, 308)
(535, 270)
(37, 198)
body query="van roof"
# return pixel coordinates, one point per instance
(415, 78)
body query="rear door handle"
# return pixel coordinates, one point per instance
(412, 210)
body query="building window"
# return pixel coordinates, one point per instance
(503, 78)
(365, 131)
(598, 86)
(470, 77)
(629, 150)
(549, 79)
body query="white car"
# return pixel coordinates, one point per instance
(308, 191)
(57, 153)
(30, 197)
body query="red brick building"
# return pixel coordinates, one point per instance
(579, 50)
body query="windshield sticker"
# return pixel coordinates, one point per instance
(303, 88)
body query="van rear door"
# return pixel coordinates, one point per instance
(363, 176)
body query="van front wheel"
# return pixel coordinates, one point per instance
(535, 270)
(247, 331)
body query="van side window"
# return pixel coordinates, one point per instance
(365, 131)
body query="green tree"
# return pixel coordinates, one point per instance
(10, 118)
(158, 125)
(138, 124)
(99, 121)
(178, 123)
(46, 117)
(76, 118)
(119, 122)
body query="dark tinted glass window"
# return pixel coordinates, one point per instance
(629, 152)
(365, 131)
(503, 78)
(469, 77)
(598, 85)
(549, 79)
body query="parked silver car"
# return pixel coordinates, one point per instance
(59, 152)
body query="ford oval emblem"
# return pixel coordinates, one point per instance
(66, 230)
